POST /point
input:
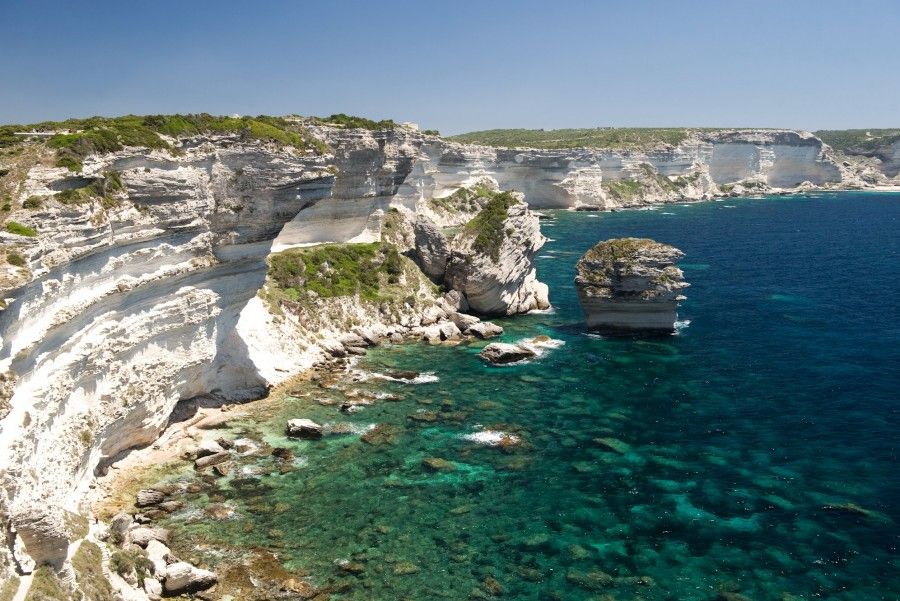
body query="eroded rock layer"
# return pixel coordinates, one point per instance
(630, 285)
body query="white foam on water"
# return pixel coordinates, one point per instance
(682, 324)
(426, 377)
(540, 348)
(491, 438)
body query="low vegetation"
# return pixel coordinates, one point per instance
(15, 259)
(464, 200)
(859, 141)
(631, 138)
(46, 586)
(14, 227)
(674, 184)
(87, 563)
(488, 225)
(9, 588)
(333, 270)
(622, 189)
(78, 138)
(105, 189)
(127, 562)
(351, 121)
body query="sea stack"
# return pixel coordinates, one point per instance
(630, 285)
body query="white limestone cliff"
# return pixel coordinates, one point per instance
(126, 306)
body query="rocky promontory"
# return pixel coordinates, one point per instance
(492, 259)
(630, 285)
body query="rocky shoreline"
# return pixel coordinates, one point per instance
(129, 501)
(140, 284)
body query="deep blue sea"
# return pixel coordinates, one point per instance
(754, 453)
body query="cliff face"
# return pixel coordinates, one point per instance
(492, 259)
(703, 165)
(868, 157)
(144, 294)
(135, 305)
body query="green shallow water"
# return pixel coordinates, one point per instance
(728, 454)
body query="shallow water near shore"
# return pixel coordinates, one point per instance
(753, 452)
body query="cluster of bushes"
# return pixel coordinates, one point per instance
(488, 225)
(465, 199)
(861, 141)
(623, 189)
(97, 135)
(14, 227)
(634, 138)
(334, 270)
(104, 189)
(127, 562)
(351, 121)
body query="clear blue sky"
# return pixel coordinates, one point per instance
(462, 65)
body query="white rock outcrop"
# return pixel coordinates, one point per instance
(492, 261)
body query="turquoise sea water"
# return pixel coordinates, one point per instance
(754, 453)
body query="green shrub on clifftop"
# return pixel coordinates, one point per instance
(598, 137)
(487, 226)
(351, 121)
(334, 270)
(98, 135)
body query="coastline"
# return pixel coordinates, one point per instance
(178, 435)
(631, 457)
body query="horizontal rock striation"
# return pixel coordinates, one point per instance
(705, 164)
(492, 260)
(630, 285)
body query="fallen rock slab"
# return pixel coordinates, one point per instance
(209, 447)
(304, 428)
(149, 497)
(182, 577)
(142, 536)
(211, 460)
(500, 353)
(484, 330)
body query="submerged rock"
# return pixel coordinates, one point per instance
(630, 284)
(500, 353)
(381, 434)
(211, 460)
(613, 444)
(304, 428)
(436, 464)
